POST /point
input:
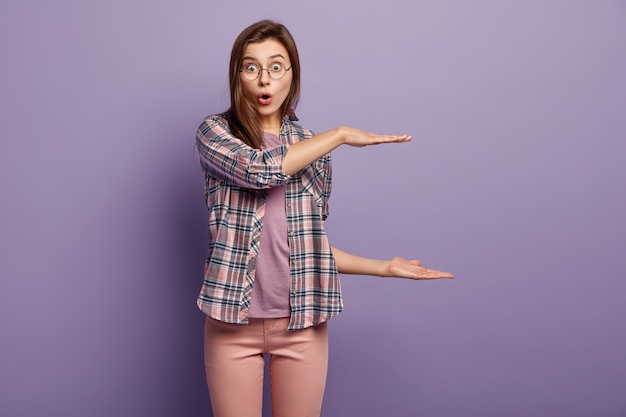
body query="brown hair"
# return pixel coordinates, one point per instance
(242, 115)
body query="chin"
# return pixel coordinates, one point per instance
(267, 112)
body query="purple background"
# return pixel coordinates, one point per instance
(514, 181)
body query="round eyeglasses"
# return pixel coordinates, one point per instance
(276, 71)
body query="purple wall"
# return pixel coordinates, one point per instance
(514, 181)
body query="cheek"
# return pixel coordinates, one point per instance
(287, 88)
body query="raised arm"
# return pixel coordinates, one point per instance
(304, 153)
(230, 159)
(395, 267)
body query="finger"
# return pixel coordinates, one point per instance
(394, 138)
(435, 274)
(399, 138)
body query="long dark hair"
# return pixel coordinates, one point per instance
(243, 117)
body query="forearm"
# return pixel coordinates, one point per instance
(358, 265)
(306, 152)
(395, 267)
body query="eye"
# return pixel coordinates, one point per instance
(250, 68)
(276, 67)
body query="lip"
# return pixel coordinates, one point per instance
(264, 99)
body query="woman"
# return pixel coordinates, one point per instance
(271, 282)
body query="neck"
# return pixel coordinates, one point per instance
(273, 127)
(272, 123)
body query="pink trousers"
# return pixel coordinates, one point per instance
(234, 363)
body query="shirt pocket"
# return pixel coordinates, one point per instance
(314, 180)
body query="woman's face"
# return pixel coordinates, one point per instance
(268, 94)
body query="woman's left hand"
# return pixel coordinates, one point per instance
(413, 269)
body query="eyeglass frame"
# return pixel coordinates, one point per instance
(258, 74)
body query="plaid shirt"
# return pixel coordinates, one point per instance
(236, 176)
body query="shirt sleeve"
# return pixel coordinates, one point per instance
(230, 160)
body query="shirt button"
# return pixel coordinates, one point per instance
(291, 233)
(288, 204)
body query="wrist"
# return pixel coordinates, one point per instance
(382, 268)
(374, 267)
(340, 135)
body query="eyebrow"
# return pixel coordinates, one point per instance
(271, 57)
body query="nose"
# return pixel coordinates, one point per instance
(264, 76)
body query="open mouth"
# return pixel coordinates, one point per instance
(265, 99)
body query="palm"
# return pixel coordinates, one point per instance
(413, 269)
